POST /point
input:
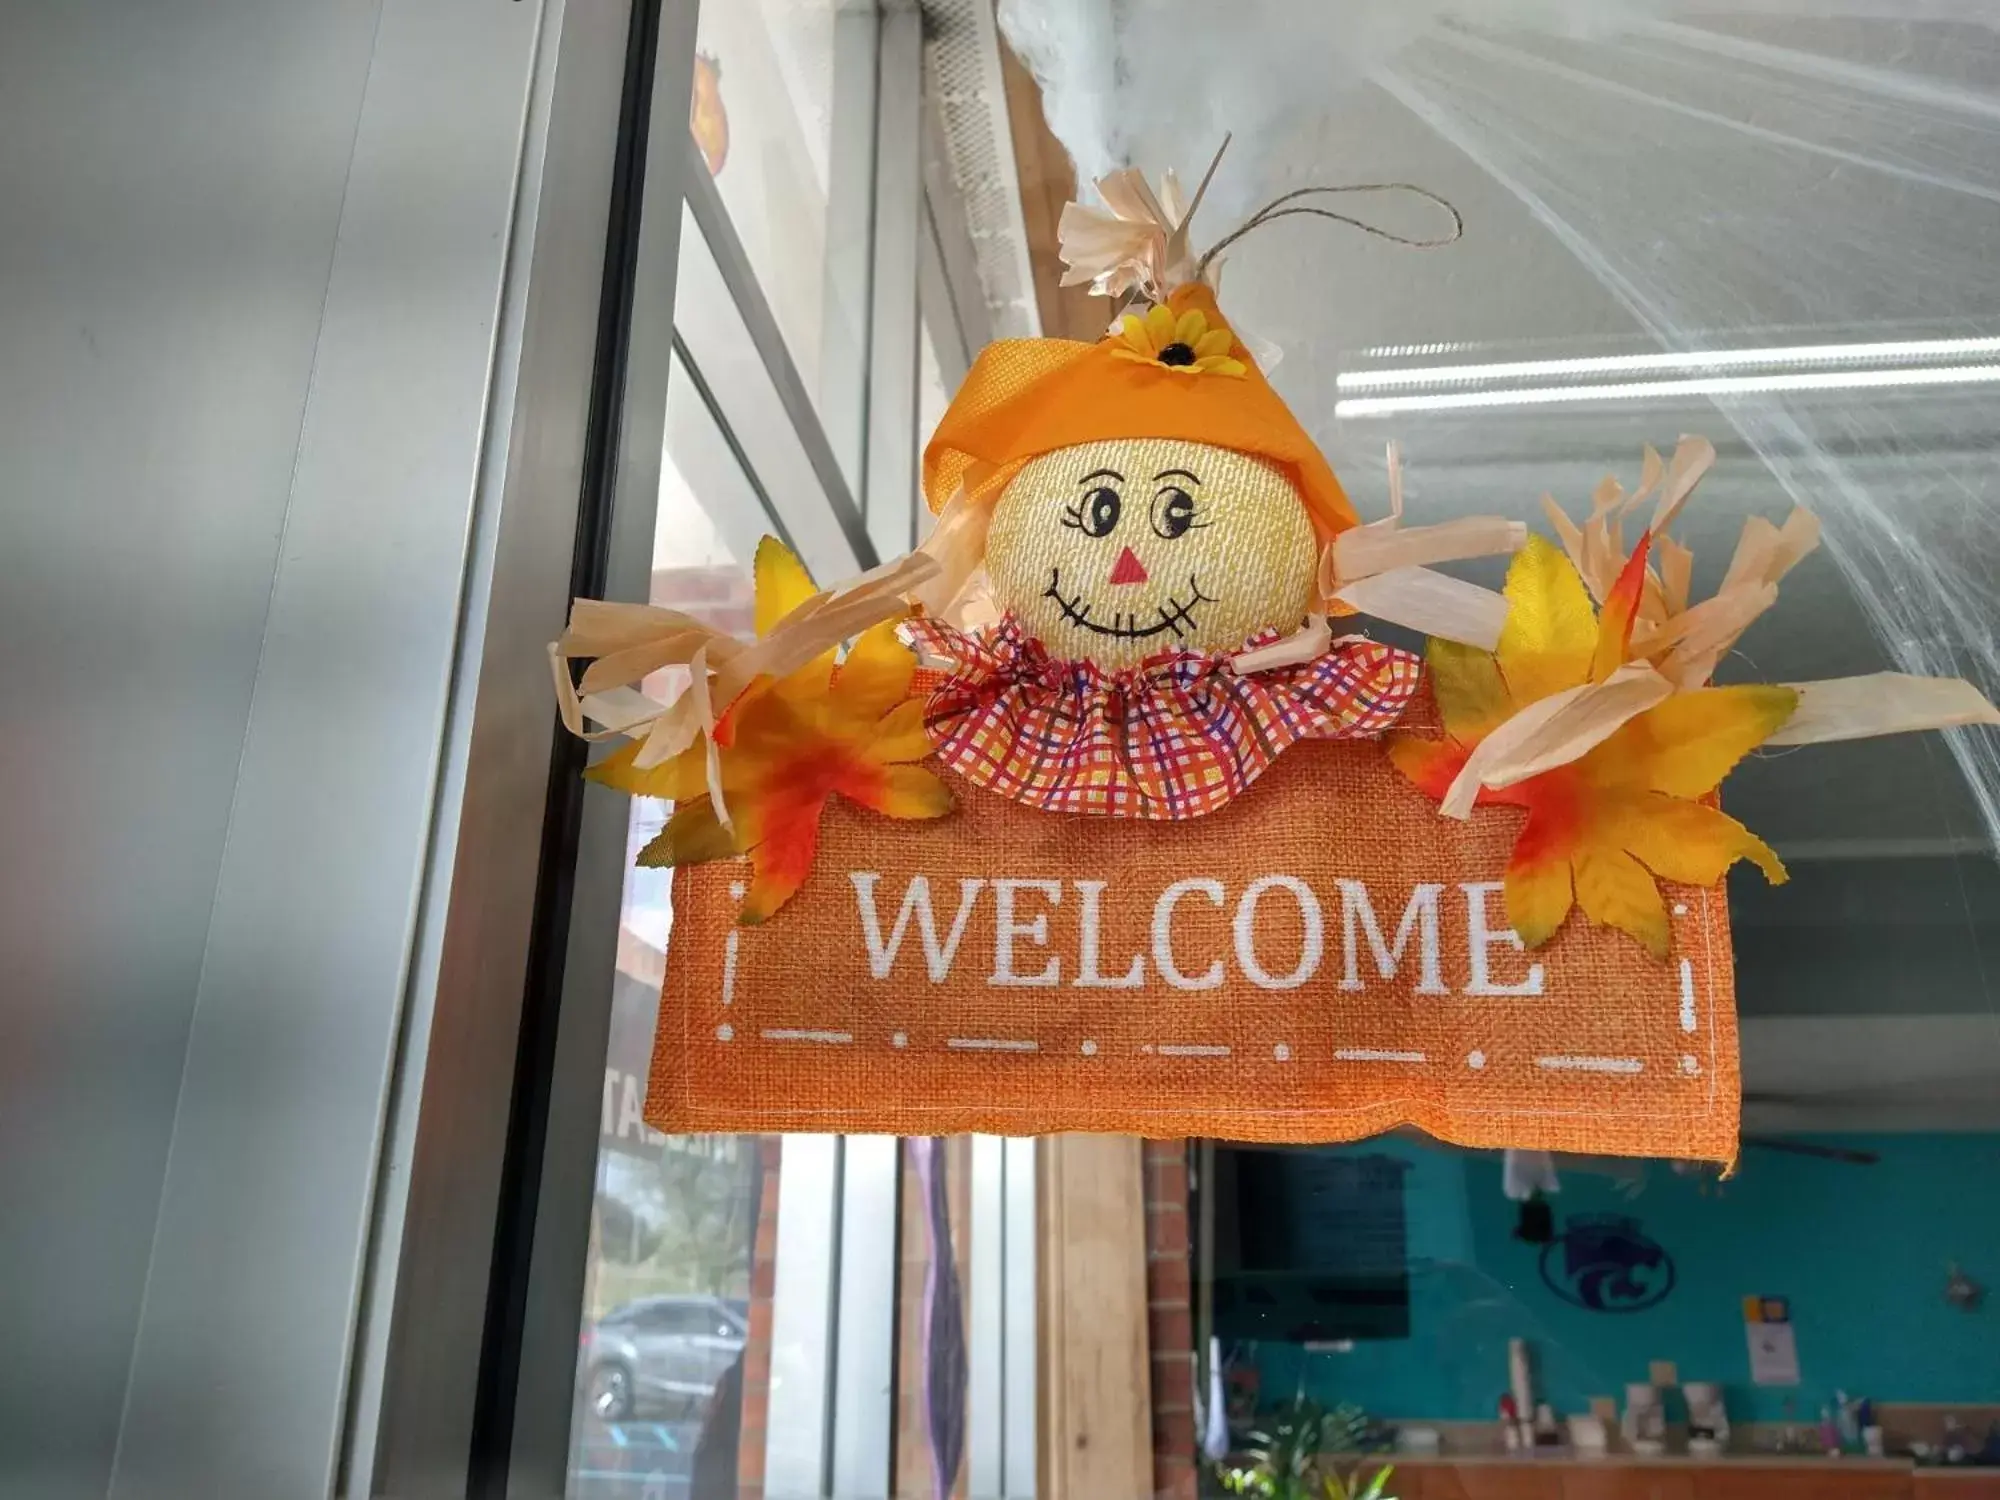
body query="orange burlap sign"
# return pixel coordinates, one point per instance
(1324, 959)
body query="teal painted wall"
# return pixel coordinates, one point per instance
(1860, 1251)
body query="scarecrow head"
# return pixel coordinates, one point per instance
(1148, 492)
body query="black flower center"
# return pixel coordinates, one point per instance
(1177, 354)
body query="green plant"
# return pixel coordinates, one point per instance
(1286, 1457)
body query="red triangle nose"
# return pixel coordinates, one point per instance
(1128, 568)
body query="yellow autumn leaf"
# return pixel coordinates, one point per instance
(692, 836)
(677, 779)
(851, 730)
(1690, 843)
(1600, 830)
(1606, 825)
(1537, 888)
(900, 734)
(782, 584)
(907, 792)
(1689, 742)
(1471, 695)
(1615, 890)
(1550, 636)
(875, 674)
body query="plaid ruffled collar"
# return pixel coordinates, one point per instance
(1179, 735)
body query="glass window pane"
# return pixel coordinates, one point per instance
(932, 399)
(783, 96)
(673, 1235)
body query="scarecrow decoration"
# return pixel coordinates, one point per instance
(1146, 595)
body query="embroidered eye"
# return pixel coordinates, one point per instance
(1098, 511)
(1173, 512)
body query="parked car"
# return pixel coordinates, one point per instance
(661, 1354)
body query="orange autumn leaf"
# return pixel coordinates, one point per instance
(788, 744)
(1602, 830)
(1621, 610)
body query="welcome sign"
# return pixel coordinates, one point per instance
(1324, 959)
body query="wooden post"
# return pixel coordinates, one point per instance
(1048, 181)
(1095, 1388)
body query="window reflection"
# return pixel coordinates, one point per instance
(665, 1341)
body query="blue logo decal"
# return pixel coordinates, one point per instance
(1605, 1263)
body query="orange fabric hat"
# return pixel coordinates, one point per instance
(1026, 397)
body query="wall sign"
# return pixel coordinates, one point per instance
(1774, 1344)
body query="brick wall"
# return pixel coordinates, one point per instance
(1170, 1319)
(757, 1343)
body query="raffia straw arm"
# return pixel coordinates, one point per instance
(1853, 708)
(1435, 603)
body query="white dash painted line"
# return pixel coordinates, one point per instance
(1375, 1054)
(1191, 1049)
(789, 1034)
(729, 952)
(1688, 1018)
(1572, 1063)
(990, 1044)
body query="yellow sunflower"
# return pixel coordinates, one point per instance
(1186, 345)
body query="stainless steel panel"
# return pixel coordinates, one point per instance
(239, 1374)
(543, 1398)
(172, 175)
(423, 1321)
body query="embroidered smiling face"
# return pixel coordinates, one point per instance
(1116, 551)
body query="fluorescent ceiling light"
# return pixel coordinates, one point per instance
(1702, 359)
(1715, 385)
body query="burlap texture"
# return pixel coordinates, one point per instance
(1245, 563)
(787, 1028)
